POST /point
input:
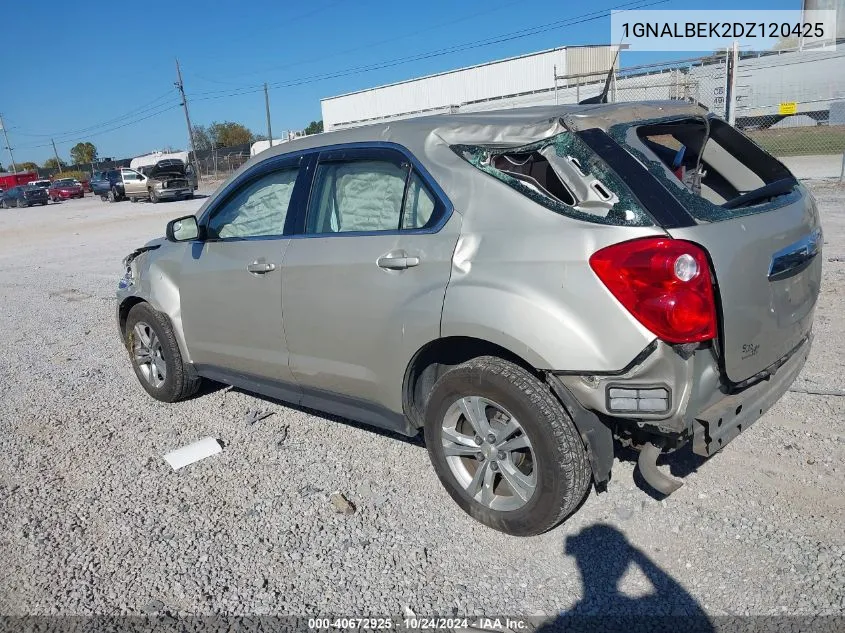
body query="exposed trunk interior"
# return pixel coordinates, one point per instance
(716, 162)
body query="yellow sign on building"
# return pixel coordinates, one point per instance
(788, 107)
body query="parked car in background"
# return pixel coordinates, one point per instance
(23, 196)
(99, 183)
(117, 184)
(64, 189)
(41, 184)
(86, 185)
(525, 286)
(166, 180)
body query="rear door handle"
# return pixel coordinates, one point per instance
(260, 268)
(397, 261)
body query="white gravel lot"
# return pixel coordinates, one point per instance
(92, 520)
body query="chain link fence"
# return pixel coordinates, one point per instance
(219, 164)
(790, 102)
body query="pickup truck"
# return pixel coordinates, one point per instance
(166, 180)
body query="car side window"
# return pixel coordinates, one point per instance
(258, 209)
(419, 205)
(356, 195)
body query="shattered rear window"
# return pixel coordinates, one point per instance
(655, 144)
(564, 175)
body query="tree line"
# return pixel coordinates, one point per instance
(216, 135)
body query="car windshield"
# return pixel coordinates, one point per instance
(66, 182)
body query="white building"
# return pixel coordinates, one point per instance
(503, 83)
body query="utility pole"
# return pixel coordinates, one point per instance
(8, 147)
(58, 161)
(181, 87)
(732, 63)
(267, 107)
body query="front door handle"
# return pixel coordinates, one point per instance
(259, 268)
(397, 261)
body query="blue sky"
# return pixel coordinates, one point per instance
(106, 75)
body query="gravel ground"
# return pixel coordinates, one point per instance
(94, 521)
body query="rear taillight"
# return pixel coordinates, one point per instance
(664, 283)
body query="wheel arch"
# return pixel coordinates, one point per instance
(124, 308)
(436, 357)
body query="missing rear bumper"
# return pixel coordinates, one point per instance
(716, 426)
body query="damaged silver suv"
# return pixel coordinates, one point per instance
(526, 286)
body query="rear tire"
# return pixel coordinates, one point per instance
(155, 356)
(530, 441)
(133, 199)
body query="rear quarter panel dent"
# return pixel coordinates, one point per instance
(536, 295)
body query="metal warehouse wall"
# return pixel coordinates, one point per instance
(437, 93)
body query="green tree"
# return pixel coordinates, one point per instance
(27, 166)
(83, 153)
(228, 133)
(315, 127)
(52, 163)
(202, 139)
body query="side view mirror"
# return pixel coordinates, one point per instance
(183, 229)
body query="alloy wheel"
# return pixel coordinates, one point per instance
(489, 453)
(148, 354)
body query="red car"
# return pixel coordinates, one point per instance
(65, 189)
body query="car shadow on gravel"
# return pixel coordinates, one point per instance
(603, 556)
(681, 463)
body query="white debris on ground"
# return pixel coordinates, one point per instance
(93, 520)
(193, 452)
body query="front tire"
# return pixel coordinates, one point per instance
(153, 196)
(504, 447)
(155, 356)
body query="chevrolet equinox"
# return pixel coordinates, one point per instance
(525, 286)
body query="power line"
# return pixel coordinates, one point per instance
(290, 19)
(250, 89)
(8, 146)
(180, 86)
(146, 107)
(106, 131)
(354, 49)
(527, 32)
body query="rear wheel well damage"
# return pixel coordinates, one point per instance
(438, 357)
(435, 359)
